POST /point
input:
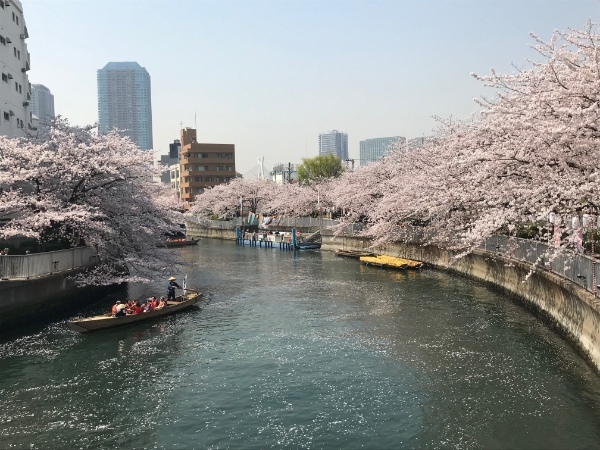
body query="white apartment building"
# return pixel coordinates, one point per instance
(15, 90)
(42, 104)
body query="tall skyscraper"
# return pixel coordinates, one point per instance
(334, 142)
(42, 104)
(375, 149)
(124, 102)
(15, 112)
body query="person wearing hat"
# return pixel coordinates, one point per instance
(171, 288)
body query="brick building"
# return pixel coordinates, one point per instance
(203, 165)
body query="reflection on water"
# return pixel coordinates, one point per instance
(304, 350)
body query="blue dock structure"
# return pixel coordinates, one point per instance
(285, 241)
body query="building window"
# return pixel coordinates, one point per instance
(2, 39)
(16, 86)
(20, 92)
(198, 179)
(209, 178)
(229, 168)
(186, 168)
(5, 77)
(6, 116)
(228, 155)
(219, 168)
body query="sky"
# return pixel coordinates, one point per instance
(269, 75)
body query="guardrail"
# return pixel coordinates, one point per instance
(300, 222)
(41, 264)
(577, 267)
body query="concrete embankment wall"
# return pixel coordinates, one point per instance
(198, 231)
(22, 298)
(575, 311)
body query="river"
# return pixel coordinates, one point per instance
(302, 350)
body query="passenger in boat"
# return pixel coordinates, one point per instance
(114, 308)
(149, 306)
(137, 308)
(154, 302)
(171, 288)
(161, 303)
(121, 309)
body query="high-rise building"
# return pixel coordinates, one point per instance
(334, 142)
(203, 165)
(375, 149)
(15, 112)
(124, 102)
(42, 103)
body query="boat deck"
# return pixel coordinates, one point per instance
(391, 262)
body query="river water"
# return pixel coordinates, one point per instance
(305, 350)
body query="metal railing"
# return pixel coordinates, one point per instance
(40, 264)
(576, 267)
(300, 222)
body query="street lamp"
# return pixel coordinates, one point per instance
(551, 219)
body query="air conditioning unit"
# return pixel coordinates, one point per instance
(12, 113)
(25, 103)
(8, 41)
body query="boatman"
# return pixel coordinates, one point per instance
(171, 288)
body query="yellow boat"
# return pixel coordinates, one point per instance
(391, 262)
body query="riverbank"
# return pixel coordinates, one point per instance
(569, 307)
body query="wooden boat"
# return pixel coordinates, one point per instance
(104, 321)
(391, 262)
(308, 246)
(353, 253)
(180, 242)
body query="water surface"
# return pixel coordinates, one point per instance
(304, 350)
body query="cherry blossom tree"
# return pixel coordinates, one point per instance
(96, 188)
(532, 150)
(224, 199)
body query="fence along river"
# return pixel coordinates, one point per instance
(302, 350)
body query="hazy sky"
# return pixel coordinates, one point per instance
(269, 76)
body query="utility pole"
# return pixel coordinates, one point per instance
(289, 172)
(350, 160)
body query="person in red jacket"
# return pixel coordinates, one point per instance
(137, 308)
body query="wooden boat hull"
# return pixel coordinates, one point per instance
(352, 253)
(182, 243)
(308, 246)
(104, 321)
